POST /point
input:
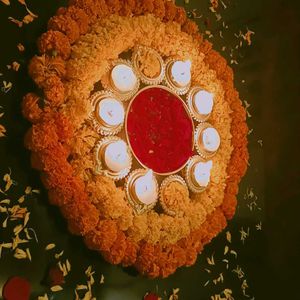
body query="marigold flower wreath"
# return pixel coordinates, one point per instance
(83, 42)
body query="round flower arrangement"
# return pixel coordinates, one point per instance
(137, 130)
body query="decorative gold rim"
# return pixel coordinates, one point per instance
(199, 147)
(193, 186)
(191, 104)
(164, 184)
(188, 113)
(138, 206)
(145, 79)
(99, 169)
(110, 87)
(101, 127)
(169, 82)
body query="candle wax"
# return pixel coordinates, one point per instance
(145, 188)
(123, 78)
(116, 156)
(204, 102)
(111, 111)
(181, 72)
(202, 173)
(211, 139)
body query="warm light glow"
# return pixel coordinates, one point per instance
(181, 72)
(211, 139)
(204, 102)
(116, 156)
(123, 78)
(111, 111)
(145, 188)
(202, 173)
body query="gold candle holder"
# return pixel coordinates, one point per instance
(166, 182)
(135, 60)
(190, 174)
(95, 119)
(138, 206)
(179, 90)
(101, 165)
(192, 105)
(123, 96)
(199, 143)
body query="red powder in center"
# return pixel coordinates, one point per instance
(160, 130)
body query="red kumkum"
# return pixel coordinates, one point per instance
(160, 130)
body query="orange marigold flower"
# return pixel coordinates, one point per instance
(42, 67)
(66, 25)
(127, 7)
(169, 259)
(147, 6)
(190, 27)
(54, 91)
(205, 47)
(50, 159)
(114, 6)
(82, 216)
(229, 205)
(216, 62)
(103, 236)
(58, 176)
(30, 107)
(93, 8)
(171, 10)
(215, 223)
(180, 15)
(41, 136)
(78, 15)
(63, 195)
(117, 252)
(145, 262)
(130, 254)
(64, 127)
(159, 8)
(54, 43)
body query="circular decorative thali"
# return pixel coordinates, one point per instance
(141, 139)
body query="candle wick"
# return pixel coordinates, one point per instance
(110, 113)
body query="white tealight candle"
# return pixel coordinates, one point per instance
(123, 78)
(111, 111)
(202, 173)
(116, 156)
(211, 139)
(145, 188)
(181, 72)
(204, 102)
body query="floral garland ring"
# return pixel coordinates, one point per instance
(83, 45)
